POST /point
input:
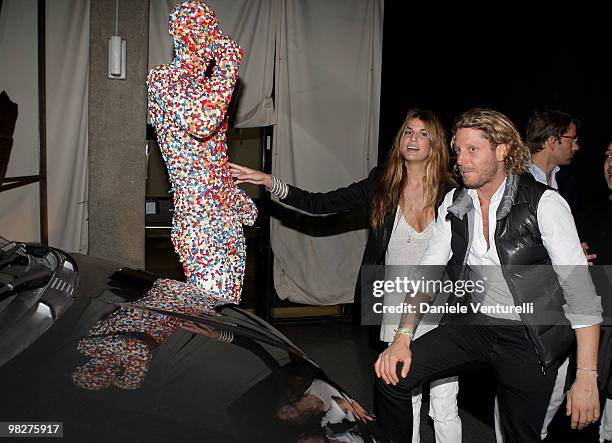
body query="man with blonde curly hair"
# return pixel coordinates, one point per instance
(518, 238)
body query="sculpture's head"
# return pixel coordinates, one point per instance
(195, 29)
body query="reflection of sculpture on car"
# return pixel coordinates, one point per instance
(120, 345)
(188, 110)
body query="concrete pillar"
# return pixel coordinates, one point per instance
(117, 133)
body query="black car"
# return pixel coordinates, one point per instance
(96, 353)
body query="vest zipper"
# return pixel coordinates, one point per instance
(514, 298)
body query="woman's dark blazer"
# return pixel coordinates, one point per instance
(357, 195)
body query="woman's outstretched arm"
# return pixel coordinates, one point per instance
(353, 196)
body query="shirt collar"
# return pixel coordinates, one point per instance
(495, 198)
(540, 175)
(467, 200)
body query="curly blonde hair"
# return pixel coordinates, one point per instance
(498, 130)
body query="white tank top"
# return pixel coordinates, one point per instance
(406, 247)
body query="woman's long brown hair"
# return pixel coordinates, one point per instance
(389, 191)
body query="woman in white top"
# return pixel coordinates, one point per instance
(401, 198)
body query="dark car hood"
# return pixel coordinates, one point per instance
(112, 373)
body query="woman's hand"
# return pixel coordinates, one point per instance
(360, 413)
(243, 174)
(355, 408)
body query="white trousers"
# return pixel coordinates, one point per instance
(605, 429)
(442, 409)
(556, 398)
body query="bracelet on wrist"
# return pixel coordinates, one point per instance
(404, 331)
(588, 370)
(278, 188)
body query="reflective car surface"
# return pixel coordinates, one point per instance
(127, 356)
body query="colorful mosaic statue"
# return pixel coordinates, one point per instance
(188, 110)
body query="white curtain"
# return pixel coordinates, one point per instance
(252, 23)
(67, 58)
(327, 100)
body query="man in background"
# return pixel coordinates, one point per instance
(552, 140)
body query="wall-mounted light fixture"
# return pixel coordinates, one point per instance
(117, 51)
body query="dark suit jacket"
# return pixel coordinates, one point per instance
(568, 188)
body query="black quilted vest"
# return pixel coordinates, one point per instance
(519, 247)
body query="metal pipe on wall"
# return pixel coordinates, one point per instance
(42, 123)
